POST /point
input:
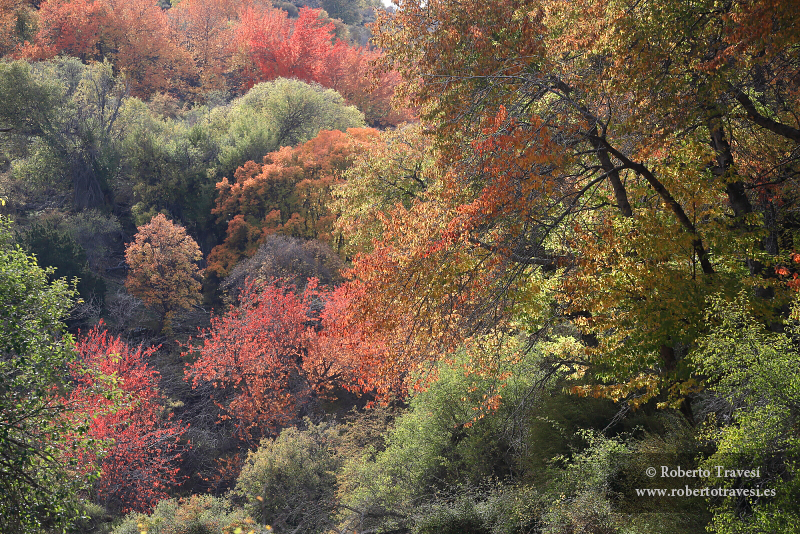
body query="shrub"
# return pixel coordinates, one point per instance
(290, 259)
(289, 482)
(56, 248)
(450, 437)
(198, 514)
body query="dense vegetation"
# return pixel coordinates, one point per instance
(448, 267)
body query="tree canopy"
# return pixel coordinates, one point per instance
(582, 251)
(39, 486)
(642, 154)
(163, 267)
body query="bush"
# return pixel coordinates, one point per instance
(447, 439)
(755, 377)
(457, 518)
(494, 509)
(55, 247)
(585, 488)
(198, 514)
(94, 519)
(290, 259)
(289, 482)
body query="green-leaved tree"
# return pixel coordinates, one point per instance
(37, 489)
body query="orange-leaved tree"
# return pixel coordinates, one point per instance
(134, 35)
(163, 271)
(17, 23)
(639, 154)
(289, 194)
(206, 29)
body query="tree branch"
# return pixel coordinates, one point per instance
(665, 195)
(776, 127)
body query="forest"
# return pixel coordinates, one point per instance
(436, 267)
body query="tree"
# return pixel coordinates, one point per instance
(285, 49)
(348, 11)
(144, 445)
(168, 168)
(38, 484)
(17, 24)
(276, 114)
(289, 259)
(395, 168)
(264, 361)
(289, 194)
(559, 149)
(254, 355)
(133, 35)
(207, 28)
(60, 120)
(72, 26)
(163, 272)
(56, 248)
(350, 71)
(300, 110)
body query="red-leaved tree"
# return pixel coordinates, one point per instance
(282, 48)
(117, 391)
(307, 49)
(265, 359)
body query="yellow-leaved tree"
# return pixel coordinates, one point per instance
(163, 269)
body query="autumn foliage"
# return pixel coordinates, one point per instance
(633, 150)
(163, 269)
(206, 29)
(117, 391)
(199, 46)
(307, 49)
(134, 35)
(267, 360)
(282, 48)
(597, 198)
(17, 23)
(290, 194)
